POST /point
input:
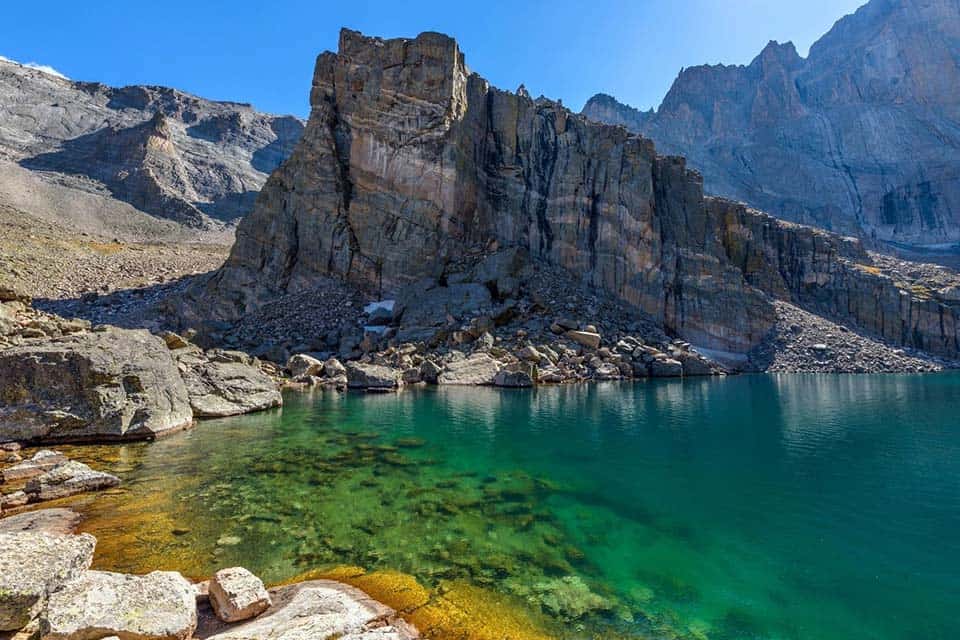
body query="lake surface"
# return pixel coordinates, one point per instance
(773, 507)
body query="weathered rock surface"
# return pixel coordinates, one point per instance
(67, 479)
(158, 606)
(322, 609)
(861, 137)
(304, 365)
(166, 153)
(112, 384)
(236, 594)
(219, 385)
(33, 566)
(403, 138)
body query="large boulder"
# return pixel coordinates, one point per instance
(373, 377)
(236, 594)
(224, 386)
(303, 365)
(70, 478)
(478, 369)
(114, 384)
(322, 609)
(158, 606)
(32, 566)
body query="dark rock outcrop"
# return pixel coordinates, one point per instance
(861, 137)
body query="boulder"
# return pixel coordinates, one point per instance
(333, 368)
(105, 385)
(38, 464)
(478, 369)
(607, 371)
(666, 368)
(372, 376)
(321, 609)
(514, 379)
(32, 566)
(51, 521)
(13, 500)
(70, 478)
(694, 364)
(304, 365)
(174, 340)
(225, 385)
(236, 594)
(588, 339)
(430, 371)
(158, 606)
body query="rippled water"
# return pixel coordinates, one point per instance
(823, 507)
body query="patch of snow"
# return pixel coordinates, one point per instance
(36, 66)
(382, 304)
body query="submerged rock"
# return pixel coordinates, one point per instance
(158, 606)
(113, 384)
(52, 521)
(236, 594)
(34, 565)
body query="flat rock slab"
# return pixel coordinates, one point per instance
(50, 521)
(32, 566)
(70, 478)
(103, 385)
(158, 606)
(321, 609)
(38, 464)
(236, 594)
(478, 369)
(372, 376)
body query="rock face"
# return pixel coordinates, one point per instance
(322, 609)
(862, 137)
(158, 606)
(167, 153)
(114, 384)
(409, 159)
(34, 565)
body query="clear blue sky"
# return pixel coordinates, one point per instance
(263, 52)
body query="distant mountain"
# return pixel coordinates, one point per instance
(861, 137)
(166, 153)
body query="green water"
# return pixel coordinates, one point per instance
(822, 507)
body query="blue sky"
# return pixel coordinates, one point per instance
(263, 52)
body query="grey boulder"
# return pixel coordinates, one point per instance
(38, 464)
(372, 377)
(236, 594)
(478, 369)
(224, 386)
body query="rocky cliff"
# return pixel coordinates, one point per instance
(409, 162)
(861, 137)
(169, 154)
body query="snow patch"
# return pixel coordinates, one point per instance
(36, 66)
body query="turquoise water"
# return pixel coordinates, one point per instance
(822, 507)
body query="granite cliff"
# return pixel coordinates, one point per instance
(411, 163)
(137, 149)
(861, 137)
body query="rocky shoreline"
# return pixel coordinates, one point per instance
(48, 591)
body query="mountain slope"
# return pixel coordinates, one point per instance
(168, 154)
(861, 137)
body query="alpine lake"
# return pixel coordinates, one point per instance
(750, 507)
